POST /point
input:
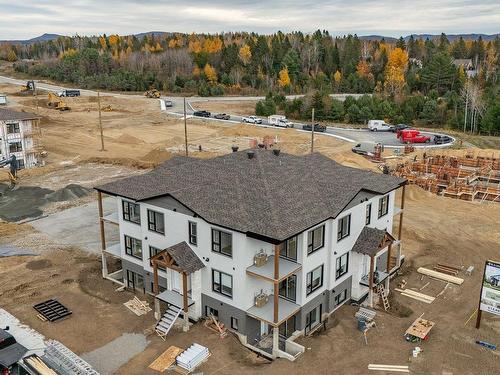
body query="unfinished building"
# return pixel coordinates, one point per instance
(467, 178)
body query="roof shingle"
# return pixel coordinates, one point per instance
(185, 257)
(369, 241)
(8, 114)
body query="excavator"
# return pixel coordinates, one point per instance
(29, 89)
(55, 102)
(12, 172)
(152, 93)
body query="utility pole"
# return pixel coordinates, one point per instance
(312, 132)
(185, 127)
(466, 105)
(100, 120)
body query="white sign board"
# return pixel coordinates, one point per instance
(490, 291)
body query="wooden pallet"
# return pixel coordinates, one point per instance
(137, 306)
(166, 359)
(52, 310)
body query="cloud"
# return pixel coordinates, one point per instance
(391, 18)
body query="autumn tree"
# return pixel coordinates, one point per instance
(11, 56)
(284, 78)
(395, 71)
(211, 74)
(245, 54)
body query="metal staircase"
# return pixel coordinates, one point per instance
(167, 321)
(381, 293)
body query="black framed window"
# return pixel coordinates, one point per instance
(152, 252)
(20, 163)
(160, 288)
(342, 265)
(287, 328)
(383, 206)
(156, 222)
(288, 288)
(211, 311)
(133, 247)
(288, 249)
(13, 128)
(193, 233)
(313, 318)
(222, 242)
(131, 212)
(314, 280)
(222, 283)
(315, 239)
(234, 323)
(344, 228)
(368, 214)
(341, 297)
(15, 147)
(135, 281)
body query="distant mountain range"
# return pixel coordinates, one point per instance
(451, 37)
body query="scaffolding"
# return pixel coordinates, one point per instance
(468, 178)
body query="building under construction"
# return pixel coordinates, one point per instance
(467, 178)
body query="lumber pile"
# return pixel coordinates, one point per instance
(137, 306)
(166, 359)
(416, 295)
(214, 325)
(449, 270)
(388, 368)
(440, 276)
(192, 357)
(38, 365)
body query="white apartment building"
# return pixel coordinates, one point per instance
(269, 243)
(18, 132)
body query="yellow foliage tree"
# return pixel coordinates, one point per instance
(172, 43)
(114, 40)
(158, 47)
(363, 69)
(102, 41)
(337, 76)
(395, 71)
(245, 54)
(194, 46)
(11, 56)
(284, 78)
(211, 74)
(196, 71)
(212, 45)
(69, 52)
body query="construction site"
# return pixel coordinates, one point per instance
(50, 249)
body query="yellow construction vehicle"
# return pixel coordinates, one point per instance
(152, 93)
(12, 172)
(55, 102)
(29, 89)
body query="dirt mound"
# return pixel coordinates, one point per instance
(128, 162)
(157, 156)
(128, 139)
(67, 193)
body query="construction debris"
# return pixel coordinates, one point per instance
(416, 295)
(419, 330)
(440, 276)
(461, 178)
(444, 289)
(137, 306)
(214, 325)
(36, 363)
(388, 368)
(166, 359)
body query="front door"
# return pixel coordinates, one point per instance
(177, 281)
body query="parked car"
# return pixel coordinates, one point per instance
(412, 136)
(201, 113)
(317, 127)
(222, 116)
(399, 127)
(68, 93)
(378, 125)
(251, 119)
(168, 103)
(441, 139)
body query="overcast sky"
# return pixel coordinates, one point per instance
(29, 18)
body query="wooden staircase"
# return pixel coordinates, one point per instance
(381, 293)
(167, 321)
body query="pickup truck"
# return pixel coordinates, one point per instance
(317, 127)
(442, 139)
(201, 113)
(68, 93)
(222, 116)
(412, 136)
(251, 119)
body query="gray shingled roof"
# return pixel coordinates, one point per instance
(271, 196)
(8, 114)
(185, 257)
(369, 241)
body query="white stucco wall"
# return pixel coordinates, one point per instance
(23, 136)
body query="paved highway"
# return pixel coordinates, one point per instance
(388, 139)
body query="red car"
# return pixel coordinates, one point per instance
(412, 136)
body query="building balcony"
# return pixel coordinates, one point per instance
(173, 298)
(265, 312)
(265, 268)
(378, 278)
(114, 250)
(397, 210)
(111, 218)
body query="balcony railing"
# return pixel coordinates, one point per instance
(266, 269)
(265, 313)
(378, 277)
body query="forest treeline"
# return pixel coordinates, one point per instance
(437, 82)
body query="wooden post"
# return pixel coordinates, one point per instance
(185, 300)
(400, 230)
(389, 258)
(103, 235)
(312, 131)
(155, 277)
(185, 128)
(276, 282)
(100, 120)
(372, 264)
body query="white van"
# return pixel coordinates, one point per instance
(378, 125)
(279, 120)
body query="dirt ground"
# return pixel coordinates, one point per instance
(232, 107)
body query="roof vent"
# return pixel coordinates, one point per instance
(234, 148)
(261, 145)
(276, 151)
(250, 154)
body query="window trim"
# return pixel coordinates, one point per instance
(233, 319)
(340, 234)
(381, 212)
(195, 236)
(339, 301)
(154, 222)
(125, 214)
(309, 292)
(368, 214)
(220, 283)
(337, 274)
(18, 148)
(131, 248)
(220, 242)
(284, 249)
(311, 246)
(16, 125)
